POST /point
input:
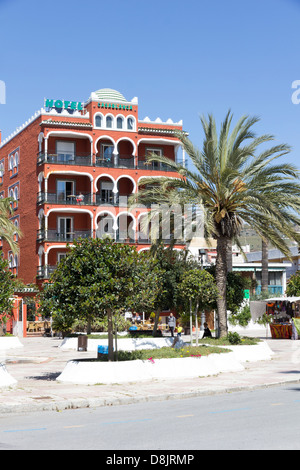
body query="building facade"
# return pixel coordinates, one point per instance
(69, 171)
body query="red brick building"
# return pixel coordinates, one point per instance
(69, 170)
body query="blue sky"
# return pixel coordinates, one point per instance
(180, 58)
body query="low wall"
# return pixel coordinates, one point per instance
(93, 372)
(10, 342)
(6, 380)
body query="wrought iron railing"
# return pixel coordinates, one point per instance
(82, 198)
(83, 159)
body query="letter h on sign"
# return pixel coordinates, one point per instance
(2, 92)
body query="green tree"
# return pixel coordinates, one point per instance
(293, 285)
(99, 277)
(6, 292)
(199, 290)
(7, 227)
(234, 183)
(173, 265)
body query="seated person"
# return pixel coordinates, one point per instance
(80, 198)
(207, 332)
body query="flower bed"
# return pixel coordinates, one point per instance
(92, 372)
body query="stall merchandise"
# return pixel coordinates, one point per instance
(283, 311)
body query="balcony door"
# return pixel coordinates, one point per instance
(65, 151)
(65, 228)
(107, 152)
(153, 151)
(107, 192)
(64, 191)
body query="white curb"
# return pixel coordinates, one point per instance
(6, 379)
(10, 342)
(91, 373)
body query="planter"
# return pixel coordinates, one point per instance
(96, 372)
(91, 372)
(6, 380)
(10, 342)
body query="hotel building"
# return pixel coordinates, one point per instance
(70, 169)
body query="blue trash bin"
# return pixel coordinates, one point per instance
(102, 351)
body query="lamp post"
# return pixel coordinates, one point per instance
(202, 253)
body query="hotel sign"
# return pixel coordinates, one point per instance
(63, 104)
(125, 107)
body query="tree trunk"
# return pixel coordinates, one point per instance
(89, 326)
(221, 281)
(196, 323)
(229, 255)
(264, 267)
(110, 335)
(155, 322)
(191, 323)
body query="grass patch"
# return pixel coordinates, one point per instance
(244, 340)
(167, 353)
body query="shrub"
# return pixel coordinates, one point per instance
(234, 338)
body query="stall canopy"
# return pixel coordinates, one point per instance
(283, 299)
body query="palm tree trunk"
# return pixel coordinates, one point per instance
(264, 267)
(221, 281)
(229, 255)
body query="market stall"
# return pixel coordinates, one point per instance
(283, 310)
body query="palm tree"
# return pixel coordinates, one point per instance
(234, 184)
(264, 267)
(8, 230)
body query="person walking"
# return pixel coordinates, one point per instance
(171, 323)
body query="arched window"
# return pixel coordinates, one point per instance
(119, 123)
(109, 121)
(98, 121)
(11, 261)
(130, 123)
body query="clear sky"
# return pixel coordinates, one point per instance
(180, 58)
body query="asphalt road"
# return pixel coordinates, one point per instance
(258, 420)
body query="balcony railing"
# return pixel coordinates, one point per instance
(119, 236)
(82, 198)
(115, 161)
(111, 161)
(84, 159)
(56, 236)
(44, 272)
(153, 166)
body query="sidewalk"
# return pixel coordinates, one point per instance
(37, 365)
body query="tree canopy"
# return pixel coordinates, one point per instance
(233, 182)
(99, 277)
